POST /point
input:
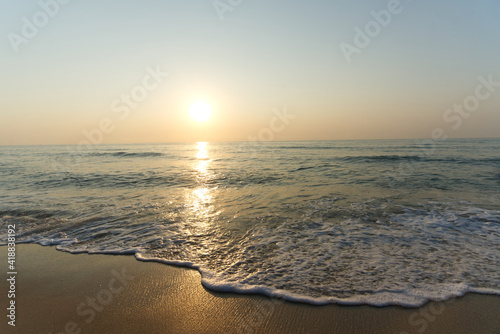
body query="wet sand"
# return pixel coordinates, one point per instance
(58, 292)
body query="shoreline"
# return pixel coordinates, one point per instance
(60, 292)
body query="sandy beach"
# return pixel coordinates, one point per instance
(57, 292)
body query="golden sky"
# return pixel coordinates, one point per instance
(344, 70)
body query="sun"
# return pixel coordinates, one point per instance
(200, 111)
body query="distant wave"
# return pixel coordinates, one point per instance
(313, 147)
(109, 180)
(389, 158)
(152, 179)
(380, 158)
(128, 154)
(306, 147)
(303, 168)
(34, 213)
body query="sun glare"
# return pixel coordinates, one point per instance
(200, 111)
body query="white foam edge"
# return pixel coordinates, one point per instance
(378, 299)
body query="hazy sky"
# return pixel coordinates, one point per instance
(344, 72)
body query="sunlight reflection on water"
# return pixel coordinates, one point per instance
(199, 201)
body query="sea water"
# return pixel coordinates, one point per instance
(378, 222)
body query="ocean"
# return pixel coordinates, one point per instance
(381, 222)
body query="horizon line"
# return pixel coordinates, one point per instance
(256, 141)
